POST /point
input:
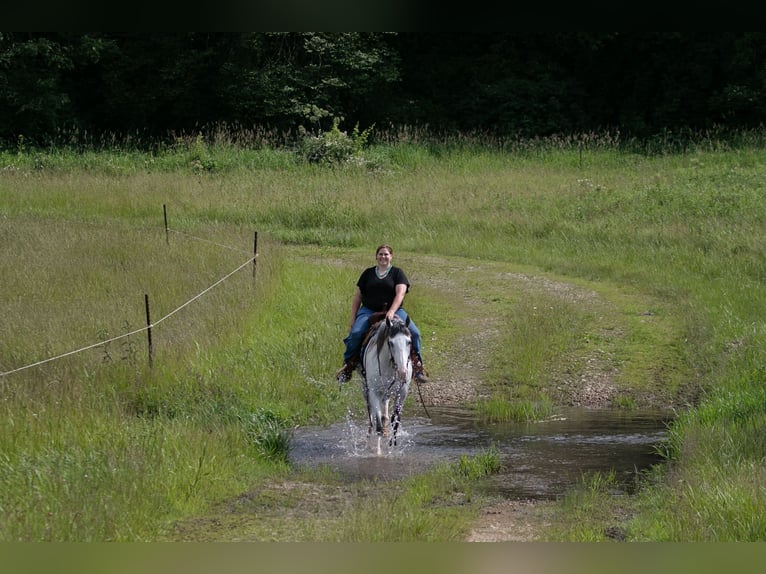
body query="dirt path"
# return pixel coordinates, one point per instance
(483, 290)
(507, 520)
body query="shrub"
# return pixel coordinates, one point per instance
(335, 146)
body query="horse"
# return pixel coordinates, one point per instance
(386, 370)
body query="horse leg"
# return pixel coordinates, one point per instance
(376, 422)
(396, 418)
(376, 419)
(386, 419)
(373, 411)
(370, 416)
(394, 426)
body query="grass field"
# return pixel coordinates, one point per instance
(98, 445)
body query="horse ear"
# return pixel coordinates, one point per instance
(388, 321)
(407, 322)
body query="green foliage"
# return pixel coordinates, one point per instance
(420, 509)
(589, 509)
(483, 464)
(34, 99)
(624, 402)
(335, 147)
(268, 433)
(69, 88)
(727, 428)
(499, 408)
(199, 156)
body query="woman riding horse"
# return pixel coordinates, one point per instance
(379, 288)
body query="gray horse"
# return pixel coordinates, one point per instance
(386, 375)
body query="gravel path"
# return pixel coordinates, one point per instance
(508, 520)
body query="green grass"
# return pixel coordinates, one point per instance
(315, 505)
(592, 511)
(436, 506)
(99, 446)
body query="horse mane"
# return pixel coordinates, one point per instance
(387, 329)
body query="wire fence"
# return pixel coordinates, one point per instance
(252, 260)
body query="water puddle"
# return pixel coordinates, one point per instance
(540, 459)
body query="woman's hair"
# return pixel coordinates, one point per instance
(384, 246)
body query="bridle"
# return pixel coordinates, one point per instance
(390, 344)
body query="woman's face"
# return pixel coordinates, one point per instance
(384, 257)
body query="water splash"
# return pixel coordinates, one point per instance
(539, 460)
(357, 441)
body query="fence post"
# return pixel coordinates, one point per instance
(148, 328)
(255, 251)
(165, 213)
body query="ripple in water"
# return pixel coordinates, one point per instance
(540, 459)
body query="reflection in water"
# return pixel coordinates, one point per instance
(540, 459)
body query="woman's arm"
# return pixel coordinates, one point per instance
(401, 291)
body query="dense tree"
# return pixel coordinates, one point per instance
(290, 79)
(96, 85)
(32, 97)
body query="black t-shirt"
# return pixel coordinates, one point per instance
(377, 294)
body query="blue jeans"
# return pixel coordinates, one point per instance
(359, 329)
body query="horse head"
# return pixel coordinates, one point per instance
(398, 337)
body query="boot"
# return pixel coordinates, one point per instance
(418, 371)
(347, 370)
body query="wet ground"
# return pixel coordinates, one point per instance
(540, 459)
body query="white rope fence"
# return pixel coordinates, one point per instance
(147, 327)
(237, 249)
(174, 311)
(73, 352)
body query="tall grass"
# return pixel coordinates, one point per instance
(99, 446)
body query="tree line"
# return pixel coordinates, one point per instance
(70, 86)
